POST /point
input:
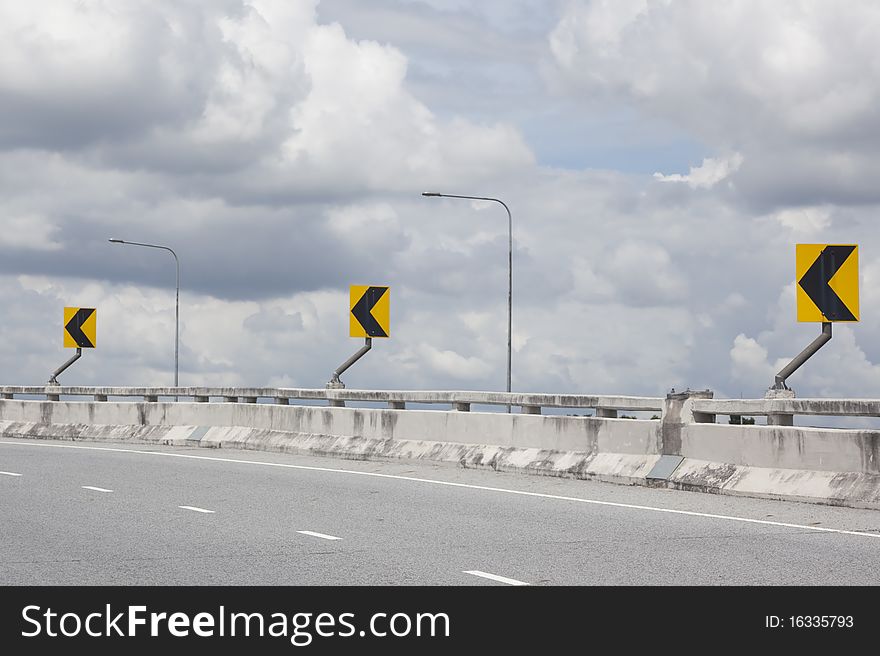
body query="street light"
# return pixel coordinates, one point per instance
(176, 300)
(509, 267)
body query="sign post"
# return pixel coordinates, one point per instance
(369, 316)
(827, 292)
(80, 327)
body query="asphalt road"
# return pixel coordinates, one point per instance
(98, 514)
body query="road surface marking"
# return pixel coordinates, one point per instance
(319, 535)
(539, 495)
(96, 489)
(494, 577)
(201, 510)
(9, 473)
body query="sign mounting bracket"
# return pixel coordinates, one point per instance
(803, 356)
(334, 382)
(57, 372)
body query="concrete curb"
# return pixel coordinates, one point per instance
(853, 489)
(618, 468)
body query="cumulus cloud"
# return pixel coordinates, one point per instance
(792, 85)
(787, 59)
(229, 86)
(805, 220)
(28, 232)
(749, 360)
(708, 174)
(452, 364)
(643, 274)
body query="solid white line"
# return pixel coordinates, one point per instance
(494, 577)
(9, 473)
(201, 510)
(96, 489)
(319, 535)
(540, 495)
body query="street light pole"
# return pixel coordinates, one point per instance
(509, 268)
(176, 301)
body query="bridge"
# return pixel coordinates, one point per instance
(355, 469)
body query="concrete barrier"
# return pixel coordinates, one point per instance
(561, 445)
(683, 448)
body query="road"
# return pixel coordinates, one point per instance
(99, 514)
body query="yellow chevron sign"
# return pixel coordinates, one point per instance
(369, 311)
(827, 282)
(80, 327)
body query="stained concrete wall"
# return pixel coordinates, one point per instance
(557, 433)
(778, 447)
(806, 464)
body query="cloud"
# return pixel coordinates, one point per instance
(454, 365)
(226, 88)
(708, 174)
(29, 232)
(805, 220)
(791, 85)
(749, 360)
(643, 274)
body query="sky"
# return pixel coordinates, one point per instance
(660, 159)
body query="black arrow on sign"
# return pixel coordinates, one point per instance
(362, 308)
(74, 327)
(815, 283)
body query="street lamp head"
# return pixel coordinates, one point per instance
(116, 241)
(430, 193)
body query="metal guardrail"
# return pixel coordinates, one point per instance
(605, 406)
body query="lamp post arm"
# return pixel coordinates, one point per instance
(176, 299)
(509, 268)
(137, 243)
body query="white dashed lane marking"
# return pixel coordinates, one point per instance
(494, 577)
(195, 509)
(96, 489)
(319, 535)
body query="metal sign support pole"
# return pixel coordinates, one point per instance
(335, 383)
(803, 356)
(52, 379)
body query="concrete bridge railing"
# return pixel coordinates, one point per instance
(781, 411)
(605, 406)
